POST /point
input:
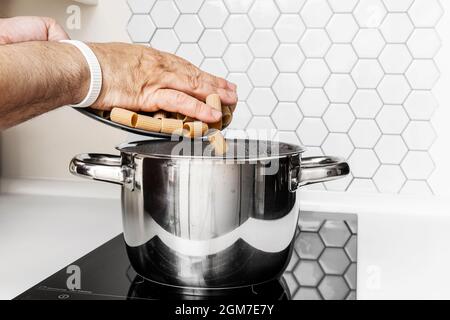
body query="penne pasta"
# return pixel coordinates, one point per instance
(125, 117)
(195, 129)
(227, 116)
(218, 142)
(213, 100)
(148, 123)
(171, 126)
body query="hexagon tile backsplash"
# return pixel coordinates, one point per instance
(351, 78)
(324, 261)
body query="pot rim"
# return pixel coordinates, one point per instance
(284, 150)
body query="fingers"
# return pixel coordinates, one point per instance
(214, 80)
(176, 101)
(55, 31)
(189, 79)
(219, 82)
(225, 89)
(200, 90)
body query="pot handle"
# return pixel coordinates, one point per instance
(101, 167)
(316, 170)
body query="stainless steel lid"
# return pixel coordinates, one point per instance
(249, 150)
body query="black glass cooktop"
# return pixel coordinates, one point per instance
(105, 273)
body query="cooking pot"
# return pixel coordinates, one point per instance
(195, 219)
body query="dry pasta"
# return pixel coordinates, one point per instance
(195, 129)
(175, 123)
(213, 100)
(227, 116)
(125, 117)
(218, 142)
(171, 126)
(148, 123)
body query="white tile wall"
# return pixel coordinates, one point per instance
(345, 77)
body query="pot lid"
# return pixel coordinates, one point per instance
(249, 150)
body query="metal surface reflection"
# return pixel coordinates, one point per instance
(209, 222)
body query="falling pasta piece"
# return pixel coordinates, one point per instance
(161, 114)
(227, 116)
(195, 129)
(148, 123)
(126, 117)
(213, 100)
(218, 142)
(171, 126)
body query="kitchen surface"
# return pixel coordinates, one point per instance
(365, 81)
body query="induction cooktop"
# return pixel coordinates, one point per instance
(106, 274)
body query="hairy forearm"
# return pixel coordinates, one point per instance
(37, 77)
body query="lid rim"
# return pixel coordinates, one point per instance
(294, 150)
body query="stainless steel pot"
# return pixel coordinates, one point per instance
(192, 219)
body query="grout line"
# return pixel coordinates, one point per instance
(332, 74)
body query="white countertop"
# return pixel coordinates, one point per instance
(39, 235)
(403, 242)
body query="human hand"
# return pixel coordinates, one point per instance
(139, 78)
(22, 29)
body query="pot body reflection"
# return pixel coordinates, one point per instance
(210, 224)
(199, 221)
